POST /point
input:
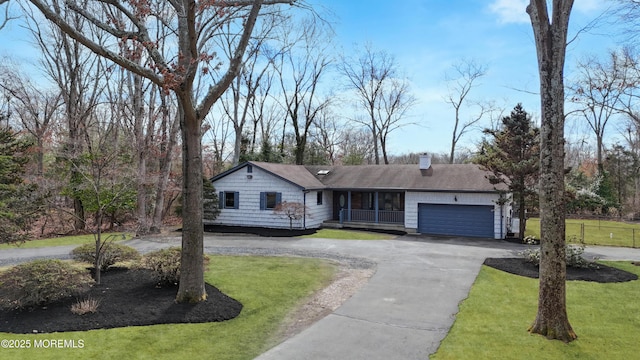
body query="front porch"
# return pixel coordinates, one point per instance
(385, 209)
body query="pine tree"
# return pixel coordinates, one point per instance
(512, 155)
(19, 203)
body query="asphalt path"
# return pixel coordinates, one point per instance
(403, 312)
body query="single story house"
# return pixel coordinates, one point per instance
(439, 199)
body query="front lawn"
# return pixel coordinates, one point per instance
(493, 320)
(340, 234)
(268, 287)
(66, 240)
(596, 232)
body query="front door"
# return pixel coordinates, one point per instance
(339, 203)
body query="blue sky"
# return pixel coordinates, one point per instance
(427, 37)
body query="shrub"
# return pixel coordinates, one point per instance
(111, 254)
(530, 240)
(165, 265)
(85, 306)
(41, 282)
(573, 257)
(532, 256)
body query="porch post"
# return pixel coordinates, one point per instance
(375, 206)
(349, 205)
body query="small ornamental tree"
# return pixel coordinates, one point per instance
(291, 211)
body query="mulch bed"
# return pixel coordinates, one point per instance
(601, 274)
(260, 231)
(127, 298)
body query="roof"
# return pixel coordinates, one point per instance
(294, 174)
(440, 177)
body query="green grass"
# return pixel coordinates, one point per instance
(596, 232)
(268, 287)
(340, 234)
(61, 241)
(493, 320)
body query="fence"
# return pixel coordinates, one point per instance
(596, 232)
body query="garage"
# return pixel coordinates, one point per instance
(456, 220)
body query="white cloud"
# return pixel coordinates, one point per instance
(510, 11)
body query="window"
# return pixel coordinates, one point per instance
(319, 197)
(249, 169)
(269, 200)
(229, 199)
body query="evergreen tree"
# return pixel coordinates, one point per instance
(19, 202)
(210, 202)
(512, 155)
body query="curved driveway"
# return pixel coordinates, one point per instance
(403, 312)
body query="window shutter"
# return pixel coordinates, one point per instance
(263, 200)
(236, 200)
(278, 198)
(221, 200)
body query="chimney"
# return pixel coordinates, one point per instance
(425, 161)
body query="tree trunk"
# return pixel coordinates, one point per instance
(191, 288)
(237, 145)
(301, 144)
(452, 153)
(521, 215)
(98, 254)
(141, 196)
(599, 159)
(170, 127)
(141, 155)
(551, 38)
(374, 133)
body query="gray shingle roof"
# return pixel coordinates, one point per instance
(440, 177)
(296, 174)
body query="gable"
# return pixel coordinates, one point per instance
(293, 174)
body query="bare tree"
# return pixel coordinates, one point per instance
(467, 74)
(37, 108)
(79, 77)
(191, 25)
(380, 92)
(7, 17)
(328, 133)
(300, 70)
(393, 107)
(550, 35)
(167, 139)
(240, 102)
(628, 12)
(597, 90)
(356, 147)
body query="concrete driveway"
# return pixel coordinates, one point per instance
(403, 312)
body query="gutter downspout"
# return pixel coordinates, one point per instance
(501, 222)
(304, 209)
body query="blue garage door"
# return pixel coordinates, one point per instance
(456, 220)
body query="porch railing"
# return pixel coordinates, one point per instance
(384, 216)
